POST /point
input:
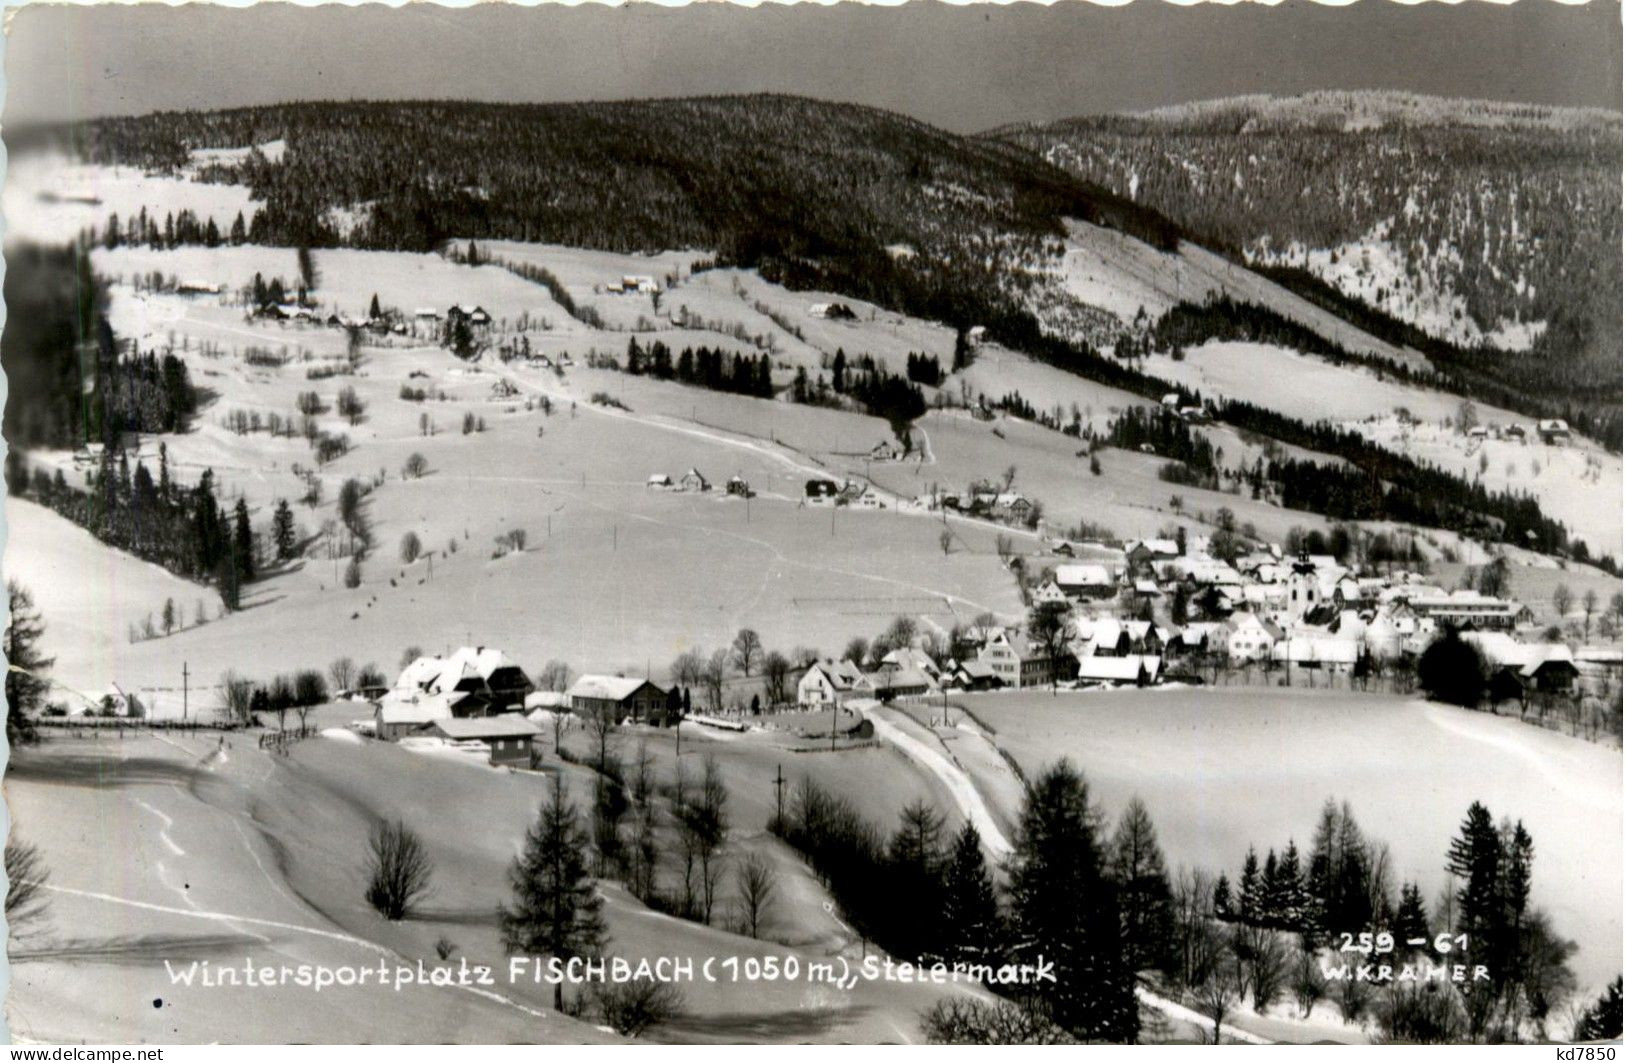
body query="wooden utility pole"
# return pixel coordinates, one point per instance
(778, 787)
(185, 692)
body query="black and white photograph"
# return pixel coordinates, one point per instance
(814, 524)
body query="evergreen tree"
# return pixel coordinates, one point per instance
(1411, 921)
(1064, 908)
(1475, 860)
(972, 930)
(914, 865)
(1452, 670)
(1269, 892)
(239, 232)
(1144, 897)
(1248, 889)
(26, 684)
(556, 910)
(1517, 867)
(282, 532)
(242, 542)
(374, 312)
(1223, 902)
(1601, 1021)
(1290, 887)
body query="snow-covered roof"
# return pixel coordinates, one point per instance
(508, 725)
(606, 687)
(901, 678)
(1083, 576)
(1112, 669)
(911, 657)
(1503, 651)
(842, 674)
(420, 673)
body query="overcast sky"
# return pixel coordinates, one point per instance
(964, 68)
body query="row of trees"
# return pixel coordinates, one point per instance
(1282, 908)
(707, 367)
(179, 228)
(1064, 904)
(186, 530)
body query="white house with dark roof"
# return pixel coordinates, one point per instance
(829, 683)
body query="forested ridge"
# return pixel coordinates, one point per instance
(1516, 210)
(813, 195)
(755, 178)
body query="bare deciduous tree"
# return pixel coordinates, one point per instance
(776, 677)
(755, 885)
(715, 674)
(554, 676)
(342, 672)
(398, 870)
(747, 647)
(603, 724)
(633, 1007)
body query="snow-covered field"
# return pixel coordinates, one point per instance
(1222, 769)
(1579, 483)
(346, 281)
(1108, 270)
(51, 199)
(180, 849)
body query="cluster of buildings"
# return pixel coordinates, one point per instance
(477, 698)
(1309, 613)
(855, 494)
(1006, 507)
(1552, 431)
(694, 480)
(632, 284)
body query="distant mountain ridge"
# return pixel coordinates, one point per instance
(1351, 110)
(1492, 227)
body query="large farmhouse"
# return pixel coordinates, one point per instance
(1017, 661)
(473, 681)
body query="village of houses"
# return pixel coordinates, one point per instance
(1303, 620)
